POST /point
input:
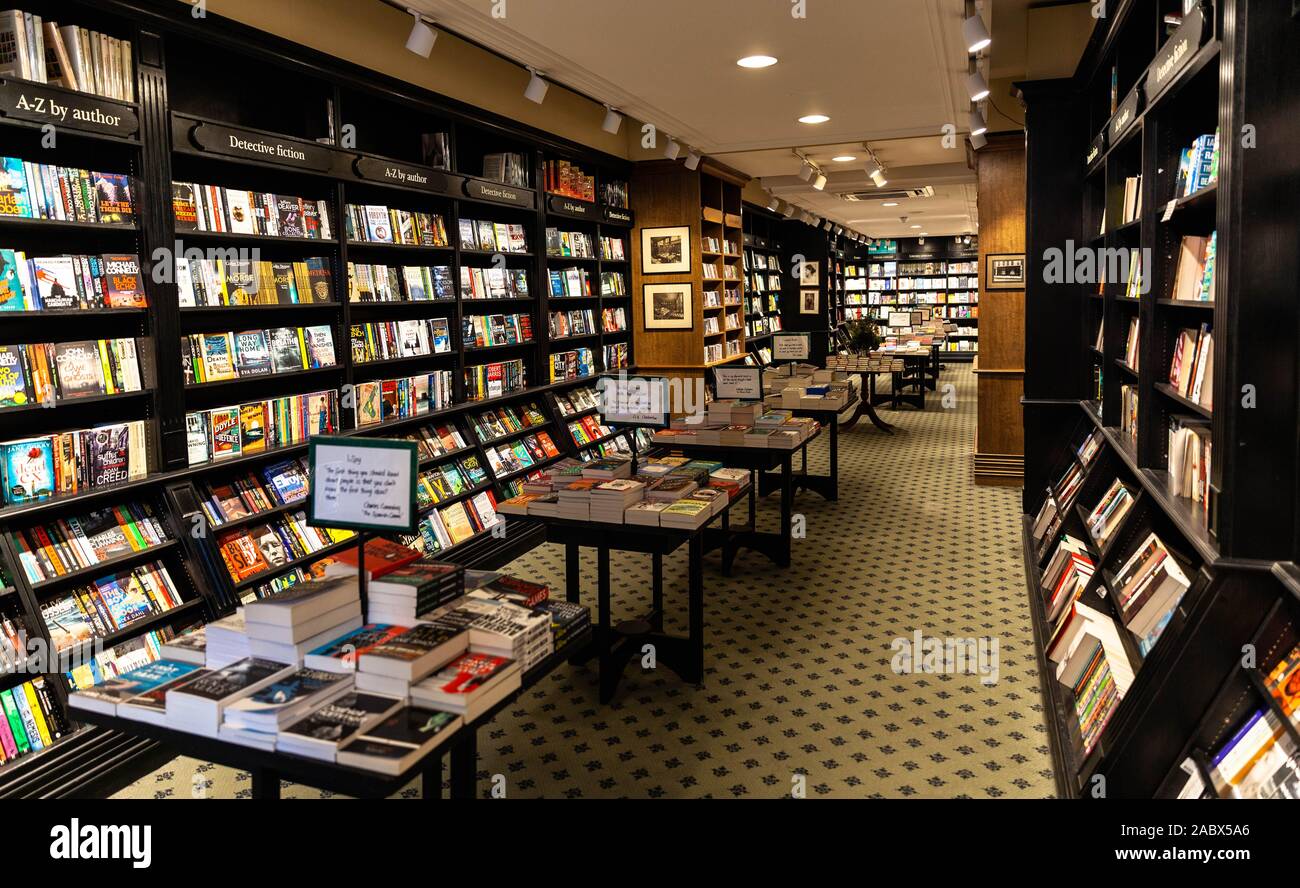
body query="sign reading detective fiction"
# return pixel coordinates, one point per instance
(362, 484)
(790, 346)
(253, 145)
(481, 189)
(79, 111)
(745, 383)
(634, 400)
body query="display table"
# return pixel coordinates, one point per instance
(267, 769)
(614, 645)
(826, 485)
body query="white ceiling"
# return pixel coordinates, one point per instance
(888, 72)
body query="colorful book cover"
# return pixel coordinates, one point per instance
(113, 197)
(110, 449)
(223, 432)
(320, 345)
(286, 352)
(55, 278)
(218, 362)
(252, 427)
(124, 598)
(11, 282)
(67, 624)
(14, 199)
(252, 353)
(80, 373)
(14, 388)
(28, 470)
(122, 285)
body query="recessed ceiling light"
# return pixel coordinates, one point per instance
(814, 118)
(890, 203)
(844, 158)
(756, 61)
(916, 226)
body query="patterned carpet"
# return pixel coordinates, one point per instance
(799, 695)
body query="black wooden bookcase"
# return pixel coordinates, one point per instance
(763, 237)
(199, 82)
(1230, 65)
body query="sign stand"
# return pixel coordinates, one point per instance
(366, 485)
(621, 405)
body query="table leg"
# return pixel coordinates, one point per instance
(787, 509)
(609, 673)
(573, 589)
(696, 606)
(835, 458)
(266, 783)
(464, 764)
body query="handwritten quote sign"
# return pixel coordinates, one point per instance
(362, 484)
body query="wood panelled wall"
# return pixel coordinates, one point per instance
(1000, 368)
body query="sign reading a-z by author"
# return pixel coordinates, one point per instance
(64, 109)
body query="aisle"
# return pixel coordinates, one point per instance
(799, 677)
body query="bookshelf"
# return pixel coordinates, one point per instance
(287, 121)
(1100, 355)
(764, 266)
(706, 204)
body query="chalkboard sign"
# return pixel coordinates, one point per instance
(362, 484)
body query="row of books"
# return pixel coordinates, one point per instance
(406, 283)
(441, 483)
(573, 364)
(61, 283)
(569, 244)
(1198, 165)
(484, 331)
(77, 542)
(761, 260)
(667, 492)
(257, 426)
(495, 379)
(1191, 370)
(215, 208)
(568, 179)
(38, 468)
(33, 719)
(445, 527)
(571, 281)
(370, 223)
(493, 237)
(48, 373)
(270, 487)
(578, 399)
(616, 356)
(251, 550)
(242, 354)
(110, 604)
(1132, 207)
(204, 281)
(438, 441)
(493, 283)
(1128, 411)
(1194, 271)
(1189, 448)
(1132, 343)
(579, 322)
(389, 340)
(502, 421)
(13, 642)
(588, 429)
(386, 399)
(109, 662)
(613, 283)
(507, 167)
(521, 453)
(69, 56)
(1109, 512)
(35, 190)
(613, 320)
(616, 447)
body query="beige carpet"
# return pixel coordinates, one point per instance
(799, 693)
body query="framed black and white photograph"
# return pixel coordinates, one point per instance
(809, 274)
(666, 250)
(808, 301)
(1004, 271)
(668, 306)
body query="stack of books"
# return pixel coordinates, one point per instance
(392, 666)
(400, 596)
(256, 720)
(469, 685)
(568, 620)
(198, 705)
(321, 733)
(288, 624)
(608, 469)
(502, 628)
(610, 500)
(575, 500)
(397, 742)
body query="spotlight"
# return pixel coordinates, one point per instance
(672, 149)
(978, 126)
(774, 204)
(820, 182)
(692, 159)
(806, 171)
(613, 120)
(978, 141)
(879, 178)
(976, 35)
(422, 36)
(790, 210)
(977, 86)
(827, 225)
(535, 91)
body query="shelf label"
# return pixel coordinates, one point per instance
(480, 189)
(1169, 210)
(1126, 113)
(424, 178)
(567, 206)
(1177, 51)
(251, 145)
(745, 383)
(790, 346)
(616, 215)
(362, 484)
(1096, 149)
(77, 111)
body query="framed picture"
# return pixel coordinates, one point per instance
(809, 274)
(666, 250)
(1004, 271)
(808, 301)
(668, 306)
